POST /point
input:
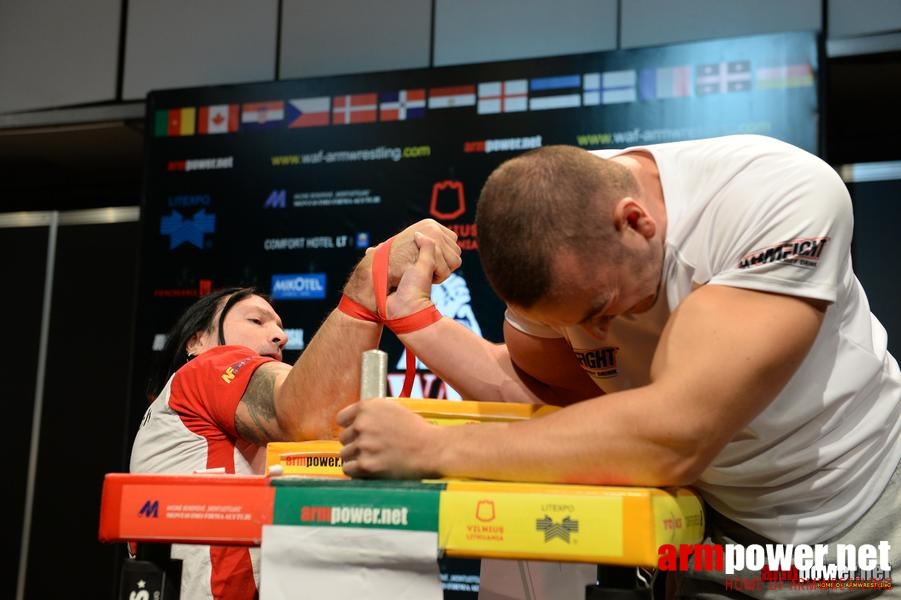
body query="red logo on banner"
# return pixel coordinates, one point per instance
(450, 195)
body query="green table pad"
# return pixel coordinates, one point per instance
(376, 504)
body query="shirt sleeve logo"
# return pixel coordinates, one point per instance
(232, 371)
(598, 362)
(802, 252)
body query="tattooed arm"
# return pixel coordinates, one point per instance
(284, 403)
(295, 403)
(255, 418)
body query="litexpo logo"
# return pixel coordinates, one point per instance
(187, 230)
(561, 530)
(798, 566)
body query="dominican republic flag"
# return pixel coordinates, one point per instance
(452, 97)
(665, 82)
(503, 96)
(719, 78)
(174, 122)
(309, 112)
(609, 87)
(256, 115)
(784, 76)
(562, 91)
(354, 108)
(402, 105)
(218, 118)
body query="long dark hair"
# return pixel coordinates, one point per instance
(198, 317)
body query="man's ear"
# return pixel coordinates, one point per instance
(195, 344)
(630, 213)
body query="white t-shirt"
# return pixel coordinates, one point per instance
(753, 212)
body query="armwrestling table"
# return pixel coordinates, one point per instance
(617, 528)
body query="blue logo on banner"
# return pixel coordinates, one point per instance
(277, 199)
(306, 286)
(187, 231)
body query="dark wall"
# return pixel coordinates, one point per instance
(877, 228)
(83, 417)
(21, 305)
(861, 119)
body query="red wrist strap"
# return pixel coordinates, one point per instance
(414, 322)
(356, 310)
(408, 324)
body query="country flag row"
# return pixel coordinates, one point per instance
(513, 95)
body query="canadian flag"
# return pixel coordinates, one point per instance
(219, 118)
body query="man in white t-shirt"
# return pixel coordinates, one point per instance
(694, 306)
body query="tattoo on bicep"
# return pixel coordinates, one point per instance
(259, 400)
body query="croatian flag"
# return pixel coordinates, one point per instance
(262, 114)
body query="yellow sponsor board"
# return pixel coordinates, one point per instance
(570, 523)
(321, 458)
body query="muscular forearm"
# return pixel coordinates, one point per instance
(475, 367)
(605, 441)
(325, 378)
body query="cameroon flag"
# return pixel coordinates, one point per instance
(174, 122)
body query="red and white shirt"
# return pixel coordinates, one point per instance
(190, 428)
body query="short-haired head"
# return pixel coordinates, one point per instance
(546, 200)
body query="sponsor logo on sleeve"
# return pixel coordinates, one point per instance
(801, 252)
